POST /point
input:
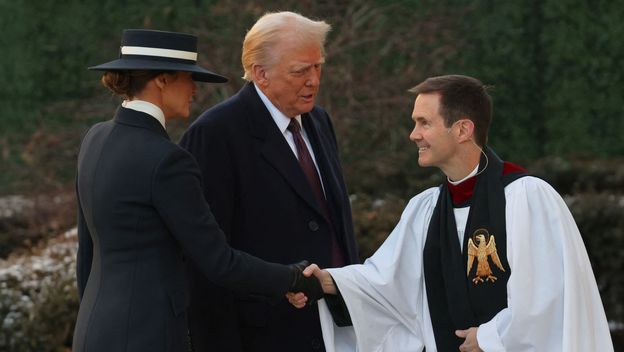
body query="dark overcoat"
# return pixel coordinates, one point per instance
(141, 213)
(252, 180)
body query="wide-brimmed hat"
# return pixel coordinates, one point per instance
(145, 49)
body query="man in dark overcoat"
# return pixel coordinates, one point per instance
(269, 159)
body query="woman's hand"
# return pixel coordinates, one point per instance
(298, 299)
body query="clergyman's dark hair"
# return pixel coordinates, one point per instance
(461, 97)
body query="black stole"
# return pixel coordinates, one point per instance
(455, 301)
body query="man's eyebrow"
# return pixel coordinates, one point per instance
(308, 64)
(302, 65)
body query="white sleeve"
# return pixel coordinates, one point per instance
(385, 294)
(553, 303)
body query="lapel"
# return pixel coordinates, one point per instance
(274, 147)
(139, 119)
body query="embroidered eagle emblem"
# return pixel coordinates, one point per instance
(482, 250)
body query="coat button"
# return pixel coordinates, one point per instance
(313, 225)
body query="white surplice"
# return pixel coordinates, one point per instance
(553, 300)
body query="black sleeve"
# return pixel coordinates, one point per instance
(177, 195)
(338, 308)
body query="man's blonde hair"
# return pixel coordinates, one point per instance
(276, 27)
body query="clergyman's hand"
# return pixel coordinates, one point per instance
(307, 285)
(470, 343)
(299, 299)
(323, 276)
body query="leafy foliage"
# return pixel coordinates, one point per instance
(48, 97)
(554, 66)
(555, 70)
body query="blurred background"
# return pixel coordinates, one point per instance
(554, 67)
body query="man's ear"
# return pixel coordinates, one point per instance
(259, 75)
(466, 130)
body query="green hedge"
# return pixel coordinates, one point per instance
(554, 65)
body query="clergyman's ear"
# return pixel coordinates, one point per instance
(466, 129)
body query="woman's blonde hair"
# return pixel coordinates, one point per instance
(276, 27)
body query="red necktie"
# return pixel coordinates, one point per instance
(307, 165)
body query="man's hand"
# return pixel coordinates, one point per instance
(306, 285)
(470, 344)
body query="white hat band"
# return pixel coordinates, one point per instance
(170, 53)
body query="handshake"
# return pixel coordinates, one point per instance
(309, 284)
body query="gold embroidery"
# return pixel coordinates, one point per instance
(482, 251)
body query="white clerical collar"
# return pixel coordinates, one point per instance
(146, 107)
(282, 121)
(474, 172)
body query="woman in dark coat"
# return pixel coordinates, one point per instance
(141, 212)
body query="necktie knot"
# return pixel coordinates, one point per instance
(294, 126)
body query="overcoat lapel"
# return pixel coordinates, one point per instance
(312, 128)
(274, 147)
